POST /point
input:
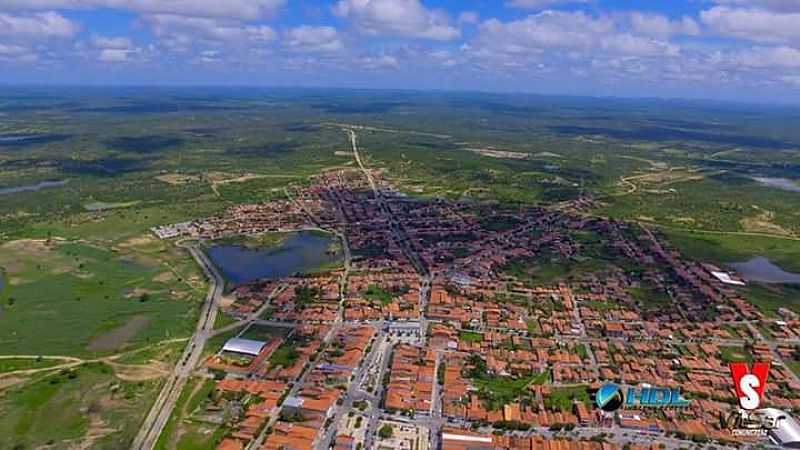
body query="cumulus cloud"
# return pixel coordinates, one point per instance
(773, 5)
(759, 25)
(540, 4)
(767, 57)
(239, 9)
(659, 26)
(379, 62)
(37, 26)
(116, 49)
(548, 29)
(314, 39)
(17, 54)
(469, 17)
(401, 18)
(181, 32)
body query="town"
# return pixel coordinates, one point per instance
(459, 325)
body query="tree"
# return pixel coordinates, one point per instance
(386, 431)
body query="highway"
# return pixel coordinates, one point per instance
(165, 402)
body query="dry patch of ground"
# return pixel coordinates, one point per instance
(763, 223)
(97, 426)
(139, 241)
(683, 220)
(140, 372)
(492, 152)
(119, 336)
(178, 178)
(6, 382)
(658, 179)
(547, 155)
(164, 277)
(16, 256)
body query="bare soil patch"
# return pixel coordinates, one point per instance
(119, 336)
(501, 154)
(178, 178)
(141, 372)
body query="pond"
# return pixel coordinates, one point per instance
(299, 252)
(32, 187)
(28, 139)
(780, 183)
(762, 269)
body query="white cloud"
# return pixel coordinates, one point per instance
(108, 42)
(540, 4)
(315, 39)
(630, 45)
(656, 25)
(180, 32)
(238, 9)
(401, 18)
(547, 29)
(773, 5)
(210, 56)
(379, 62)
(37, 26)
(115, 49)
(17, 54)
(757, 25)
(768, 57)
(113, 55)
(469, 17)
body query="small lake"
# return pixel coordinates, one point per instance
(28, 139)
(780, 183)
(763, 270)
(32, 187)
(300, 252)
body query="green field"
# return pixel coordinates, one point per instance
(562, 398)
(88, 400)
(182, 432)
(733, 354)
(728, 248)
(94, 299)
(469, 336)
(15, 364)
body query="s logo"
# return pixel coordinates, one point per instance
(749, 383)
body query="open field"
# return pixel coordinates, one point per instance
(93, 300)
(99, 410)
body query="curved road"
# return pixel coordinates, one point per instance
(162, 409)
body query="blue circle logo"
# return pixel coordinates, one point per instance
(609, 397)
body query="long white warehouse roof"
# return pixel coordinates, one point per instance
(244, 346)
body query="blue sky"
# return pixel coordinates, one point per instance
(723, 49)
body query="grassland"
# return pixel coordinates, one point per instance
(183, 431)
(723, 248)
(94, 300)
(470, 336)
(561, 398)
(94, 405)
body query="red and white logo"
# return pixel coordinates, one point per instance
(749, 383)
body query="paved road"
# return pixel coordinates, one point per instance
(353, 394)
(162, 409)
(275, 415)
